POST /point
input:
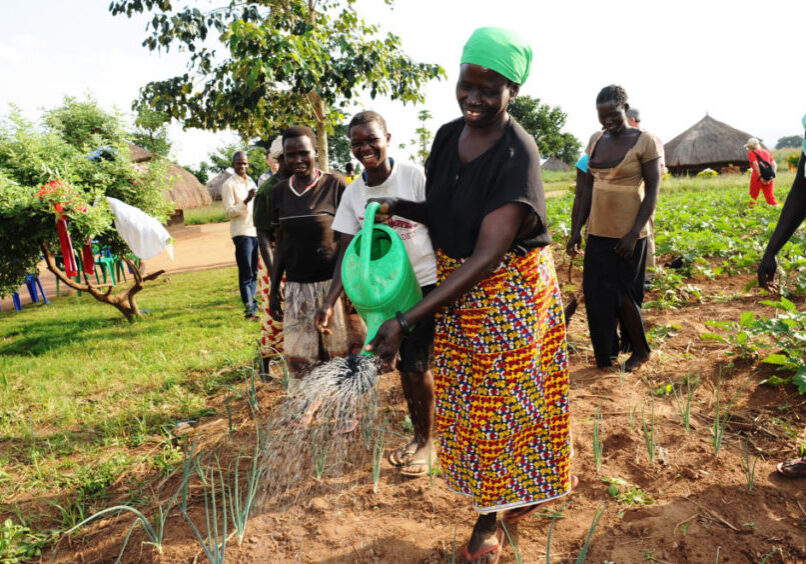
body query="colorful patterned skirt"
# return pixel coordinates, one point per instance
(501, 378)
(271, 331)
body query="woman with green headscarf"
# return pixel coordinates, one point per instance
(501, 366)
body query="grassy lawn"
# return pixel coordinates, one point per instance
(214, 213)
(78, 384)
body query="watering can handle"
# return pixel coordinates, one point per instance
(366, 236)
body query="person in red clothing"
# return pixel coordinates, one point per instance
(758, 184)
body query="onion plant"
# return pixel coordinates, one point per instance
(649, 432)
(598, 443)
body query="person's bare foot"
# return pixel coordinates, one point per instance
(636, 361)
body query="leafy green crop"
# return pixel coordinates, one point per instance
(786, 332)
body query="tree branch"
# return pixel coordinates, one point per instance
(89, 288)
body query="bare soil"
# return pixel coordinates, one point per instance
(702, 510)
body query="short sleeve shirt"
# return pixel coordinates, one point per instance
(619, 191)
(753, 158)
(582, 163)
(406, 181)
(459, 196)
(304, 219)
(261, 211)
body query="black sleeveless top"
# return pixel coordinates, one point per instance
(458, 197)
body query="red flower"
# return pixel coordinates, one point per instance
(82, 209)
(41, 192)
(58, 207)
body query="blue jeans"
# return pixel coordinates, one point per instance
(246, 259)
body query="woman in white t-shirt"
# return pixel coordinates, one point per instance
(383, 177)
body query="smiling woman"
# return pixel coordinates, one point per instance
(616, 199)
(501, 368)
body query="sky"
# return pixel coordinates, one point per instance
(677, 60)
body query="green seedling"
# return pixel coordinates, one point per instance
(212, 481)
(649, 432)
(377, 457)
(773, 552)
(626, 493)
(19, 543)
(740, 335)
(685, 413)
(749, 468)
(558, 514)
(598, 443)
(242, 496)
(319, 444)
(657, 334)
(229, 420)
(723, 417)
(512, 542)
(155, 532)
(597, 515)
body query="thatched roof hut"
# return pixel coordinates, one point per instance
(707, 144)
(214, 184)
(555, 164)
(186, 191)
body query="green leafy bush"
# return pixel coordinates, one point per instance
(48, 171)
(786, 333)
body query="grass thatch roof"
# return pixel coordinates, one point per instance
(186, 191)
(214, 184)
(555, 164)
(707, 144)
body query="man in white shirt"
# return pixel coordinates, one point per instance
(237, 194)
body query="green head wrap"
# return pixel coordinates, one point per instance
(501, 50)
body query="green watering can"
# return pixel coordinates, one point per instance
(377, 274)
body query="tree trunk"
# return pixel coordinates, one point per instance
(319, 110)
(319, 114)
(125, 301)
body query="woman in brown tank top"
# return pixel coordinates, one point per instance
(616, 201)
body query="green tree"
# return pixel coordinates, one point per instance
(340, 152)
(789, 141)
(419, 147)
(422, 137)
(151, 132)
(202, 172)
(545, 123)
(221, 159)
(46, 172)
(287, 62)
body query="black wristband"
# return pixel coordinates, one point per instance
(402, 320)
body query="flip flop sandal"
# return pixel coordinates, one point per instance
(400, 456)
(793, 468)
(495, 549)
(420, 463)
